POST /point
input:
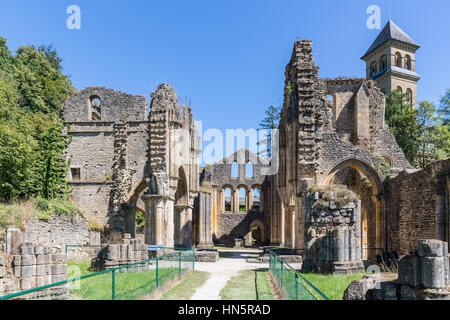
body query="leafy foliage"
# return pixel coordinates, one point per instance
(269, 123)
(401, 118)
(32, 92)
(423, 133)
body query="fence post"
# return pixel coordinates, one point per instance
(114, 285)
(281, 275)
(157, 259)
(179, 265)
(296, 286)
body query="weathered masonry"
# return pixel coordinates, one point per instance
(237, 194)
(333, 139)
(343, 191)
(124, 159)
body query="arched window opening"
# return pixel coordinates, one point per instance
(333, 110)
(408, 96)
(227, 200)
(373, 69)
(408, 62)
(242, 195)
(383, 62)
(399, 89)
(96, 110)
(249, 170)
(256, 200)
(398, 59)
(235, 170)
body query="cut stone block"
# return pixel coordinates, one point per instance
(433, 275)
(58, 278)
(409, 271)
(40, 270)
(40, 281)
(28, 260)
(40, 259)
(38, 250)
(58, 258)
(28, 271)
(432, 248)
(59, 269)
(407, 293)
(2, 271)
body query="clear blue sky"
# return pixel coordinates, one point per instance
(227, 57)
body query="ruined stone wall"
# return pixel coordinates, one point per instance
(58, 232)
(233, 226)
(30, 266)
(422, 276)
(116, 255)
(109, 145)
(333, 232)
(417, 207)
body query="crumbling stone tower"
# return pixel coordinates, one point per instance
(340, 143)
(124, 159)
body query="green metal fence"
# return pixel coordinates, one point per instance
(293, 284)
(130, 282)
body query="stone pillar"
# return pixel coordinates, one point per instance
(434, 261)
(282, 225)
(189, 227)
(14, 237)
(154, 212)
(130, 221)
(205, 221)
(379, 221)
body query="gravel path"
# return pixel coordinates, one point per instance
(222, 271)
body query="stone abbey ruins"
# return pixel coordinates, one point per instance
(343, 191)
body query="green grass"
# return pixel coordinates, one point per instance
(248, 285)
(128, 285)
(333, 286)
(186, 289)
(78, 268)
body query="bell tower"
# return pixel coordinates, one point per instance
(390, 62)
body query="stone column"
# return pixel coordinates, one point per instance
(154, 211)
(189, 227)
(130, 221)
(282, 225)
(379, 221)
(205, 221)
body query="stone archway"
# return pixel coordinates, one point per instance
(359, 177)
(135, 206)
(255, 233)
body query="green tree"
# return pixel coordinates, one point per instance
(443, 129)
(269, 123)
(428, 140)
(444, 108)
(401, 117)
(19, 176)
(32, 92)
(53, 170)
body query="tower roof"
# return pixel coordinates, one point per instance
(390, 32)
